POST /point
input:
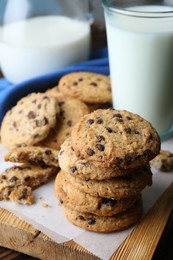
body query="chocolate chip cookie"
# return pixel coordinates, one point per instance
(163, 161)
(125, 186)
(96, 223)
(118, 138)
(29, 121)
(83, 168)
(73, 198)
(27, 175)
(71, 110)
(86, 86)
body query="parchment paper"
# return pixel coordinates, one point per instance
(52, 222)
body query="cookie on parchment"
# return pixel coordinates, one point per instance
(125, 186)
(96, 223)
(163, 161)
(86, 86)
(110, 137)
(71, 110)
(82, 168)
(27, 175)
(75, 199)
(33, 155)
(29, 121)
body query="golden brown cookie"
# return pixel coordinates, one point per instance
(125, 186)
(71, 110)
(29, 121)
(96, 223)
(163, 161)
(86, 86)
(33, 155)
(32, 176)
(118, 138)
(75, 199)
(82, 168)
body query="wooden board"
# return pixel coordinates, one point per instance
(16, 234)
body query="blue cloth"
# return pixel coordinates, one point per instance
(10, 94)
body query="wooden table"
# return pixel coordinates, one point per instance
(164, 249)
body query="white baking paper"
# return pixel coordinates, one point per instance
(52, 222)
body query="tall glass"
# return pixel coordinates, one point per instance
(38, 37)
(140, 45)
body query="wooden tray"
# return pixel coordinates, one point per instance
(141, 244)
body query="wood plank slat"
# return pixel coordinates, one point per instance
(143, 240)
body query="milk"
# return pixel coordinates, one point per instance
(141, 65)
(42, 45)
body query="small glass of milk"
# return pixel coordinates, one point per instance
(140, 46)
(42, 36)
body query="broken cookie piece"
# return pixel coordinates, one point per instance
(163, 161)
(25, 175)
(22, 195)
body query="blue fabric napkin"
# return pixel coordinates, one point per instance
(10, 94)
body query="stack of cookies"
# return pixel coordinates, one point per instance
(104, 168)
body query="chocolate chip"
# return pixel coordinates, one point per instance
(14, 124)
(80, 79)
(91, 221)
(109, 202)
(48, 152)
(151, 137)
(118, 161)
(75, 83)
(90, 121)
(61, 200)
(61, 113)
(94, 84)
(90, 152)
(109, 129)
(39, 106)
(127, 130)
(27, 178)
(100, 138)
(73, 169)
(60, 103)
(3, 177)
(42, 122)
(13, 179)
(119, 119)
(24, 194)
(31, 115)
(117, 115)
(99, 120)
(129, 118)
(69, 123)
(100, 147)
(80, 217)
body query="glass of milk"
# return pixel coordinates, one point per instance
(42, 36)
(140, 46)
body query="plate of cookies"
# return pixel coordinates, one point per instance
(91, 162)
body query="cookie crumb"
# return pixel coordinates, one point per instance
(45, 205)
